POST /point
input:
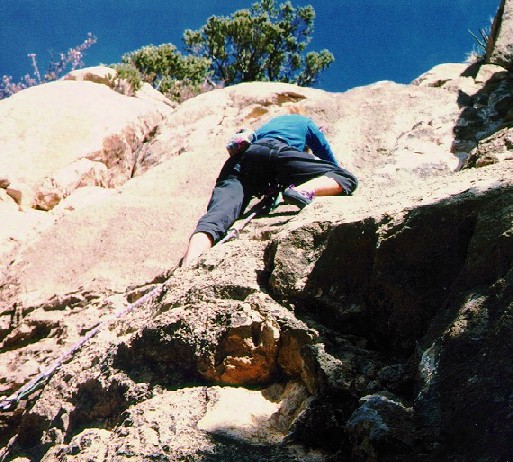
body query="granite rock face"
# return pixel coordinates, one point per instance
(499, 48)
(371, 327)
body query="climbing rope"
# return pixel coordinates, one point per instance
(267, 204)
(9, 403)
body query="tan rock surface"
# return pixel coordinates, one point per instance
(307, 313)
(51, 126)
(499, 47)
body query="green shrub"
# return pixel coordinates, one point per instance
(265, 43)
(164, 68)
(126, 73)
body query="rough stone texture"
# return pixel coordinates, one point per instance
(371, 327)
(51, 126)
(381, 427)
(499, 48)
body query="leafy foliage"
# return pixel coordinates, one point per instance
(165, 69)
(265, 43)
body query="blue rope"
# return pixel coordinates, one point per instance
(9, 403)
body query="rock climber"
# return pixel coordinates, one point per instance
(272, 158)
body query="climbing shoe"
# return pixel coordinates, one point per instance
(298, 198)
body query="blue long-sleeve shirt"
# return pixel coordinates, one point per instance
(299, 132)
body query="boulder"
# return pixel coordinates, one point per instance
(51, 126)
(381, 428)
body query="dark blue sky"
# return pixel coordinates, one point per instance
(371, 39)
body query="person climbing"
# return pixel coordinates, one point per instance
(272, 158)
(300, 132)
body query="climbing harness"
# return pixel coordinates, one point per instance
(9, 403)
(266, 205)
